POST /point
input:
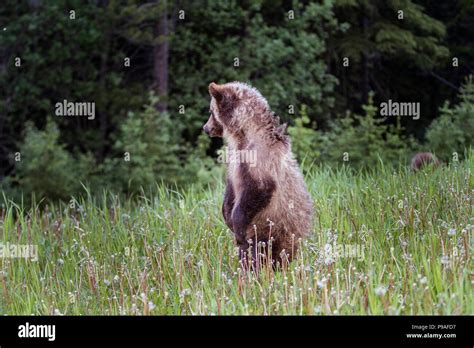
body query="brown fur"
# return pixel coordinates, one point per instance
(265, 202)
(422, 159)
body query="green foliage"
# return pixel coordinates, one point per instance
(391, 56)
(46, 168)
(453, 131)
(415, 39)
(79, 59)
(149, 149)
(360, 141)
(306, 142)
(266, 46)
(201, 169)
(366, 139)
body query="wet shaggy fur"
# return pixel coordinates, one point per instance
(266, 202)
(422, 159)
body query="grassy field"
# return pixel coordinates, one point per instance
(400, 243)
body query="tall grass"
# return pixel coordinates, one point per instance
(404, 243)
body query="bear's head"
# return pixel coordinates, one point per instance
(236, 109)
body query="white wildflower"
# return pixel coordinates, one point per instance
(151, 306)
(321, 283)
(445, 260)
(134, 309)
(380, 290)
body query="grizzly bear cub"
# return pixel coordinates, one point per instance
(422, 159)
(266, 203)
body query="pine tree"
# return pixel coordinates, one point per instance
(390, 46)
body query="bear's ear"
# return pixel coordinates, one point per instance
(216, 91)
(226, 100)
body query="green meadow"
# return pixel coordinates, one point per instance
(385, 242)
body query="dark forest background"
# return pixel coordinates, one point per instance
(147, 65)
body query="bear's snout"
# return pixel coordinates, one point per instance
(212, 128)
